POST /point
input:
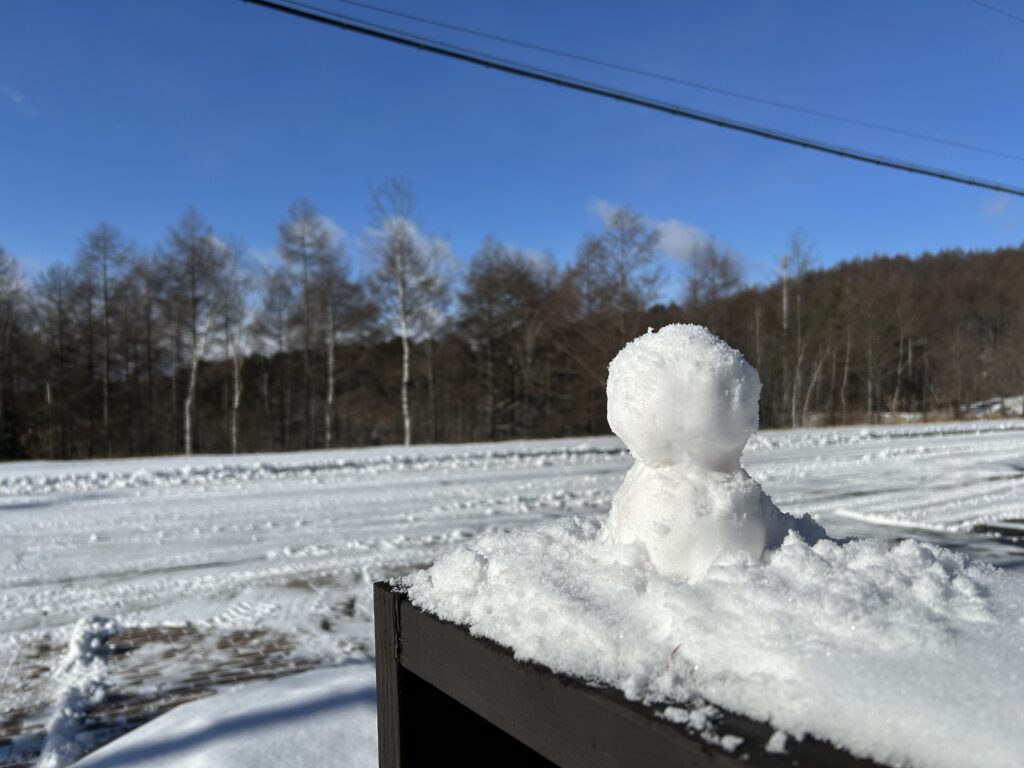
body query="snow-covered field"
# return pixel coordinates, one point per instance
(215, 570)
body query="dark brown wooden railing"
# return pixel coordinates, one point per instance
(446, 698)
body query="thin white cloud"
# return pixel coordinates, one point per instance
(995, 206)
(680, 240)
(677, 239)
(16, 99)
(603, 208)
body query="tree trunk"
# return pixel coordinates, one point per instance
(794, 413)
(49, 417)
(431, 390)
(236, 396)
(757, 336)
(198, 348)
(811, 385)
(846, 377)
(871, 382)
(895, 401)
(307, 381)
(106, 360)
(329, 397)
(406, 415)
(403, 318)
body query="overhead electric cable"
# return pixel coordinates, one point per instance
(686, 82)
(325, 16)
(998, 10)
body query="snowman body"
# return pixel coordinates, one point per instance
(685, 404)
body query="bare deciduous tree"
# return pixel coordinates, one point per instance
(304, 246)
(194, 261)
(102, 255)
(409, 280)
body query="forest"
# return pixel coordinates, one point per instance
(189, 346)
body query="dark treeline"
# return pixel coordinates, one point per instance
(187, 348)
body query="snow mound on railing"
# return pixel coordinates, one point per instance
(906, 653)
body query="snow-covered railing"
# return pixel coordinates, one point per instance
(445, 697)
(698, 624)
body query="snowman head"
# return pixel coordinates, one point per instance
(682, 395)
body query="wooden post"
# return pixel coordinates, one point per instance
(387, 634)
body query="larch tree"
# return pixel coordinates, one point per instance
(304, 244)
(409, 282)
(617, 271)
(195, 260)
(714, 275)
(608, 289)
(102, 256)
(345, 314)
(504, 314)
(233, 308)
(272, 332)
(51, 316)
(794, 263)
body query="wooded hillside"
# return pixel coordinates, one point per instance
(187, 347)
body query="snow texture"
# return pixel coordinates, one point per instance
(323, 717)
(698, 593)
(290, 543)
(905, 653)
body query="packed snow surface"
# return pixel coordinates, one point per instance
(320, 718)
(685, 404)
(203, 554)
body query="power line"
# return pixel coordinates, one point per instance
(688, 83)
(998, 10)
(324, 16)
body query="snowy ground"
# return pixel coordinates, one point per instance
(218, 570)
(320, 717)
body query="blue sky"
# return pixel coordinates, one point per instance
(129, 112)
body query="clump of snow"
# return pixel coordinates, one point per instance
(777, 743)
(699, 593)
(702, 718)
(80, 682)
(685, 403)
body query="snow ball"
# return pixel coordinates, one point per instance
(777, 743)
(682, 394)
(689, 521)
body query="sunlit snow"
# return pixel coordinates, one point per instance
(195, 558)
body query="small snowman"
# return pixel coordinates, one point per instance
(685, 403)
